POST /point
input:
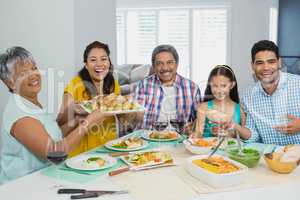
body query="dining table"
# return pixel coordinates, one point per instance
(164, 183)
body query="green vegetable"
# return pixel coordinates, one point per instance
(119, 146)
(231, 142)
(93, 159)
(249, 157)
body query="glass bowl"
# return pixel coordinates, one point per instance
(249, 156)
(274, 163)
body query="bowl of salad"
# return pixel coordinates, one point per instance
(248, 156)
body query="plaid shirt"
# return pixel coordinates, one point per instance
(149, 93)
(265, 111)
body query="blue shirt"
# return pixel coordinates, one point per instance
(208, 125)
(265, 111)
(15, 159)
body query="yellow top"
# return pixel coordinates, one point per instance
(98, 135)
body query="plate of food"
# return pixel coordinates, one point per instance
(147, 158)
(114, 104)
(216, 171)
(90, 162)
(207, 144)
(161, 136)
(127, 144)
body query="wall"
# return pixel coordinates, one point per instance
(94, 20)
(45, 28)
(56, 32)
(250, 23)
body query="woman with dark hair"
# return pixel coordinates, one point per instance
(221, 102)
(95, 78)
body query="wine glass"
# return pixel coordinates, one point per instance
(160, 125)
(56, 152)
(178, 125)
(218, 120)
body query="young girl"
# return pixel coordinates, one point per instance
(221, 101)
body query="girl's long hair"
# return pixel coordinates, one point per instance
(226, 71)
(108, 82)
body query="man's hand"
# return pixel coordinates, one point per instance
(290, 128)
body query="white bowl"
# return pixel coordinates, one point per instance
(214, 179)
(196, 149)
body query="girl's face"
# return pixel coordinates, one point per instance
(221, 86)
(98, 64)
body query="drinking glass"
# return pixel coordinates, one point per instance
(56, 152)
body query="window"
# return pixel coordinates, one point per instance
(198, 32)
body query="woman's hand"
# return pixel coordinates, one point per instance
(78, 109)
(95, 118)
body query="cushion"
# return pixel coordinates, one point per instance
(139, 73)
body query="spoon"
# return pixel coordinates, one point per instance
(239, 144)
(217, 147)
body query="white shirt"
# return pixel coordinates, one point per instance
(15, 159)
(168, 106)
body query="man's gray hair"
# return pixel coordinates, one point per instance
(12, 56)
(164, 48)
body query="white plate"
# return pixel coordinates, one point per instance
(109, 144)
(139, 109)
(196, 149)
(80, 162)
(146, 135)
(148, 164)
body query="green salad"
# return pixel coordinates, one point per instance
(249, 157)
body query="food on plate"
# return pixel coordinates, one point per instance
(284, 160)
(248, 156)
(216, 164)
(129, 143)
(151, 157)
(110, 102)
(100, 161)
(163, 135)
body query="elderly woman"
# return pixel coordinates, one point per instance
(95, 78)
(26, 128)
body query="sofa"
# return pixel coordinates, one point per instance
(129, 75)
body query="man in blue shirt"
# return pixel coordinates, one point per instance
(273, 104)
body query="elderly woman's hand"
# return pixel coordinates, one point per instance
(95, 118)
(78, 109)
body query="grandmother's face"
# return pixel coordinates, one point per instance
(26, 79)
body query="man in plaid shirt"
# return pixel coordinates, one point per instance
(273, 104)
(165, 94)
